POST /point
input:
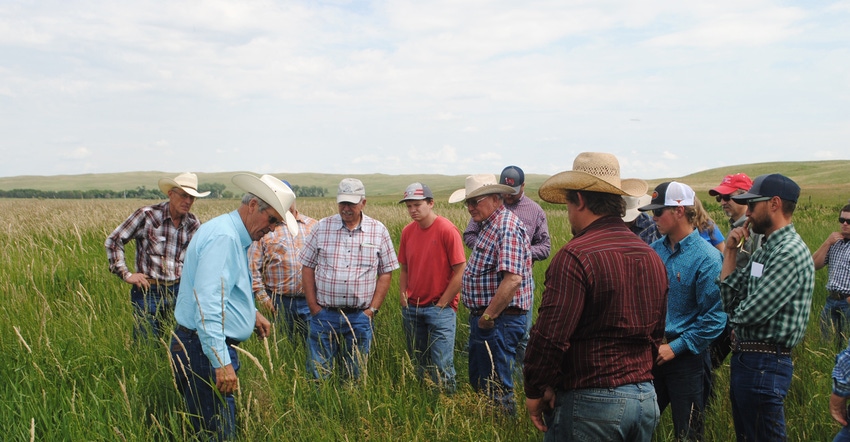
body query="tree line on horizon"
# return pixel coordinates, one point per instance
(217, 190)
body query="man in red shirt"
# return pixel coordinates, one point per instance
(588, 367)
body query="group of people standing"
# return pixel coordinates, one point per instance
(637, 308)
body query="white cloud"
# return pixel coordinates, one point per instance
(79, 153)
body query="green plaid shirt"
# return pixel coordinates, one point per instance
(773, 307)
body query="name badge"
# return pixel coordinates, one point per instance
(756, 269)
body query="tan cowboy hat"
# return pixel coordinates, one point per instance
(632, 204)
(273, 192)
(593, 172)
(187, 181)
(477, 185)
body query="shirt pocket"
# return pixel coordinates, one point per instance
(367, 255)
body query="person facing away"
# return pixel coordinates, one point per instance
(694, 312)
(432, 261)
(162, 233)
(276, 274)
(496, 288)
(640, 223)
(588, 368)
(347, 262)
(706, 226)
(835, 253)
(768, 302)
(215, 308)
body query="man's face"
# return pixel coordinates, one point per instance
(261, 222)
(845, 226)
(480, 208)
(419, 209)
(350, 213)
(732, 209)
(180, 201)
(513, 199)
(759, 215)
(665, 219)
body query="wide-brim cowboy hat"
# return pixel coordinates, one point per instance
(477, 185)
(187, 181)
(632, 204)
(273, 192)
(592, 172)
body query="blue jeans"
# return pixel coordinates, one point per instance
(843, 435)
(153, 309)
(492, 354)
(212, 415)
(430, 334)
(625, 413)
(758, 385)
(293, 314)
(680, 384)
(523, 342)
(335, 335)
(834, 321)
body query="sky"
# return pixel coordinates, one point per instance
(450, 87)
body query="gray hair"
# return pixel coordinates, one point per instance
(246, 199)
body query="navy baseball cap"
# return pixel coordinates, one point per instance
(769, 186)
(514, 177)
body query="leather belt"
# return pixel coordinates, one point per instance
(516, 311)
(162, 283)
(838, 296)
(228, 341)
(346, 310)
(286, 295)
(760, 347)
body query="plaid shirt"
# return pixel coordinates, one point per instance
(347, 262)
(502, 246)
(769, 299)
(838, 260)
(273, 260)
(160, 247)
(533, 219)
(841, 374)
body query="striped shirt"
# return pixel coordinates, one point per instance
(838, 260)
(502, 246)
(769, 299)
(601, 319)
(160, 247)
(273, 260)
(347, 262)
(533, 219)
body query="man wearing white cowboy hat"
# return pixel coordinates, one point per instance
(215, 308)
(496, 288)
(162, 233)
(601, 319)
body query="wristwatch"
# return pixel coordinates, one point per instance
(486, 317)
(373, 310)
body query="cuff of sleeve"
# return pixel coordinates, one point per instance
(840, 389)
(678, 346)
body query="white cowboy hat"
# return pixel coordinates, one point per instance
(477, 185)
(593, 172)
(632, 204)
(273, 192)
(187, 181)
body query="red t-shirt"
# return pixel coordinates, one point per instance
(429, 255)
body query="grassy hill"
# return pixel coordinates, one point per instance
(820, 180)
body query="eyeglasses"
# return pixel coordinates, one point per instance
(725, 198)
(474, 203)
(843, 220)
(752, 203)
(273, 220)
(183, 195)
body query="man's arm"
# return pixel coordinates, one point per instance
(540, 243)
(504, 294)
(308, 283)
(382, 286)
(402, 286)
(820, 255)
(454, 285)
(114, 244)
(470, 235)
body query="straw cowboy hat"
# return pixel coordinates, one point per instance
(592, 172)
(477, 185)
(187, 181)
(273, 192)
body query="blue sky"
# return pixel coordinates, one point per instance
(405, 87)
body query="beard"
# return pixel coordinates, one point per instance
(760, 225)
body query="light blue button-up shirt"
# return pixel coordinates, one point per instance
(215, 289)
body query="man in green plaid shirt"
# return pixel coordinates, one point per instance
(768, 303)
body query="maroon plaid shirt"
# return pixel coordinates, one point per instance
(602, 315)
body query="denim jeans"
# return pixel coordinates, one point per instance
(758, 385)
(337, 336)
(153, 309)
(680, 383)
(492, 354)
(843, 435)
(523, 342)
(293, 314)
(625, 413)
(211, 414)
(834, 321)
(430, 335)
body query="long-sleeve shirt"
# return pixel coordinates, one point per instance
(502, 246)
(694, 312)
(601, 319)
(273, 260)
(751, 244)
(533, 219)
(347, 262)
(215, 296)
(769, 300)
(160, 247)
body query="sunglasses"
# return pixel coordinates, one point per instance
(843, 220)
(752, 203)
(273, 220)
(725, 198)
(474, 203)
(659, 212)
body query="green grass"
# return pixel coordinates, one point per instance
(72, 372)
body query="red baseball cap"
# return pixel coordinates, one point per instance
(732, 183)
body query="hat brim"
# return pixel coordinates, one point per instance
(487, 189)
(744, 197)
(271, 196)
(353, 199)
(553, 188)
(722, 190)
(166, 184)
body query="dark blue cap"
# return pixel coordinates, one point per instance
(769, 186)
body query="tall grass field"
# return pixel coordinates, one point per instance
(71, 371)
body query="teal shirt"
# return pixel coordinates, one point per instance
(215, 297)
(694, 312)
(770, 298)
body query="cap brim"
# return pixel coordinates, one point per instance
(353, 199)
(745, 196)
(722, 190)
(649, 207)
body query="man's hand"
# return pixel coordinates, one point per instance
(268, 304)
(225, 379)
(536, 408)
(486, 324)
(139, 280)
(838, 409)
(262, 327)
(833, 238)
(665, 354)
